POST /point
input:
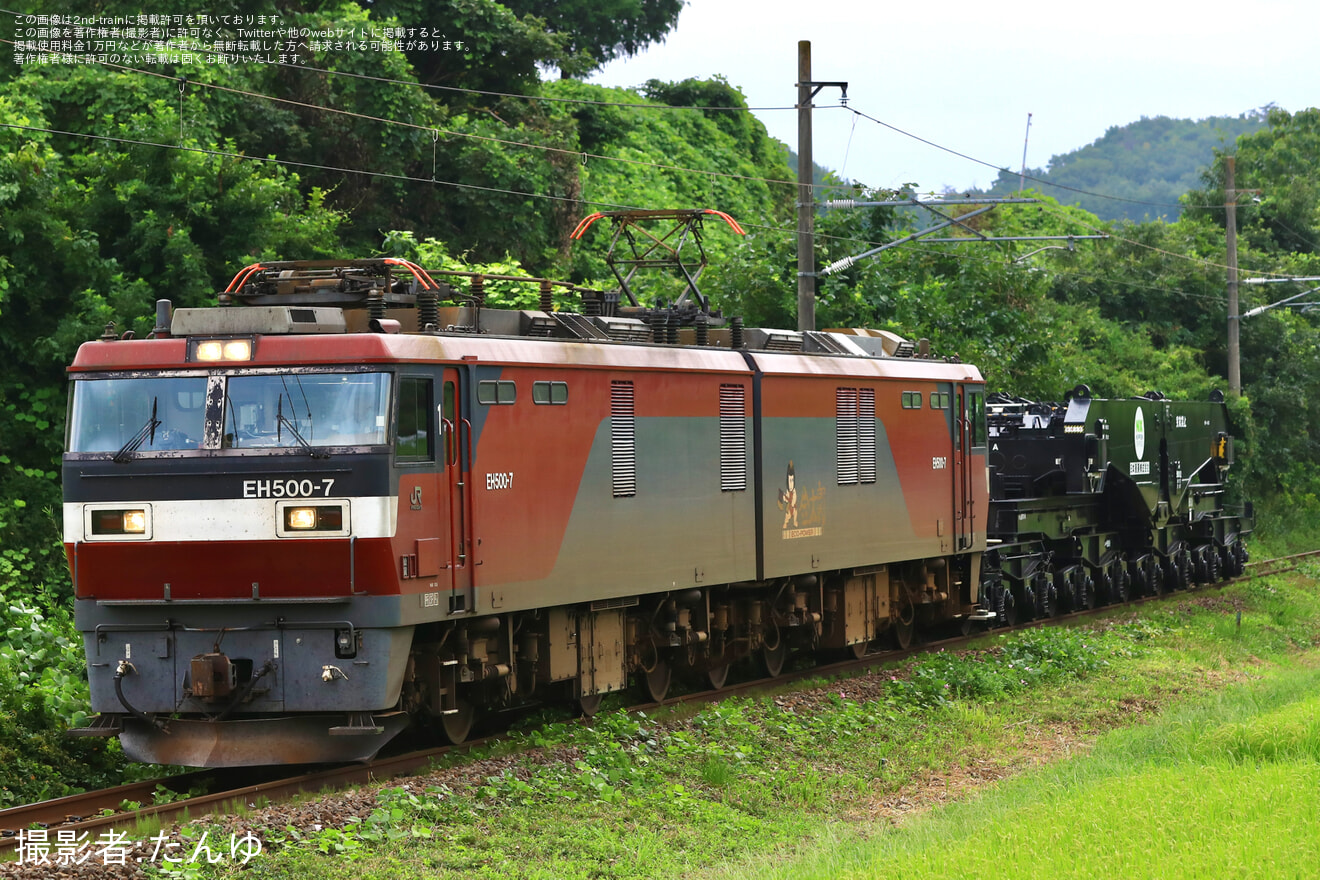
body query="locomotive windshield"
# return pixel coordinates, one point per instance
(109, 414)
(125, 416)
(317, 409)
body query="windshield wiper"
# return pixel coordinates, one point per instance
(282, 420)
(146, 431)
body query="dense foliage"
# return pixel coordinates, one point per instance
(121, 187)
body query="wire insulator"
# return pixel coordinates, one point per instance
(839, 265)
(591, 305)
(428, 309)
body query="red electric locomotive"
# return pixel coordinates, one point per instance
(331, 506)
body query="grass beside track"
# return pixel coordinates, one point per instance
(1180, 741)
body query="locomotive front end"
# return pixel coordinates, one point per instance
(227, 488)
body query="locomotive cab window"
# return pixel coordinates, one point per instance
(413, 439)
(976, 413)
(109, 415)
(306, 409)
(448, 417)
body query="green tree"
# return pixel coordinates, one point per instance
(597, 31)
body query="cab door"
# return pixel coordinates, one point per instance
(422, 534)
(964, 501)
(456, 490)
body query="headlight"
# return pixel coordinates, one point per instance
(108, 523)
(300, 518)
(321, 519)
(238, 350)
(210, 351)
(214, 350)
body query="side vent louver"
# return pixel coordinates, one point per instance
(866, 435)
(623, 439)
(845, 434)
(733, 438)
(854, 435)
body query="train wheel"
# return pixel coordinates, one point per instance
(716, 676)
(1170, 569)
(772, 659)
(655, 682)
(1008, 609)
(903, 633)
(1087, 589)
(1122, 583)
(858, 651)
(1156, 579)
(457, 726)
(589, 705)
(1047, 599)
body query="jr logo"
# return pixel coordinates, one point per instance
(416, 499)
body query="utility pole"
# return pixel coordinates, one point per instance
(806, 200)
(1234, 319)
(1022, 177)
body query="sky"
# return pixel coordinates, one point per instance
(964, 75)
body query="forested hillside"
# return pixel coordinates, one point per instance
(121, 186)
(1137, 171)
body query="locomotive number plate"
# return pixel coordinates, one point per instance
(939, 463)
(287, 487)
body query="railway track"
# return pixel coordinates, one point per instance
(94, 812)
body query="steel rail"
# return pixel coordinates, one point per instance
(79, 813)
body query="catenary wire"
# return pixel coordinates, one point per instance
(522, 194)
(295, 164)
(784, 231)
(562, 150)
(257, 95)
(1039, 180)
(448, 132)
